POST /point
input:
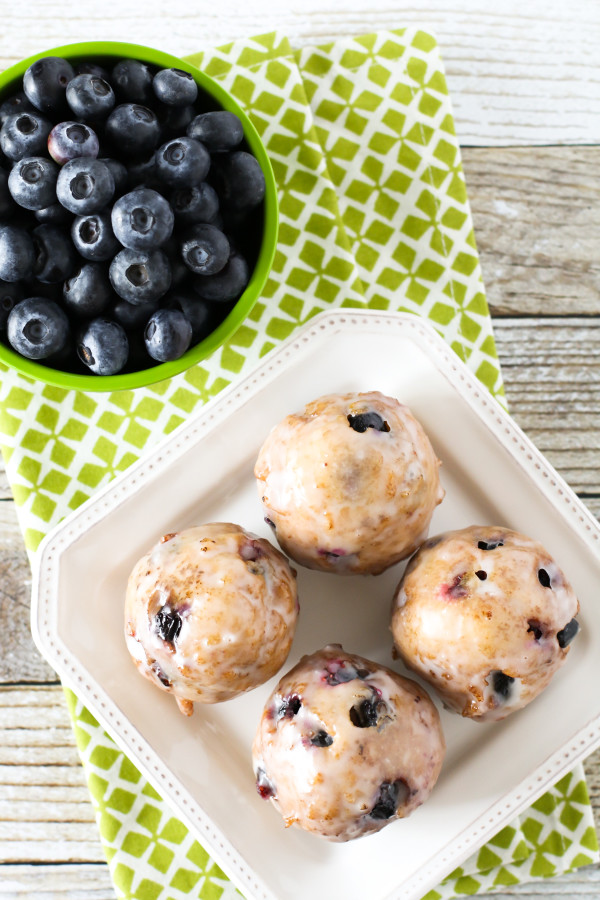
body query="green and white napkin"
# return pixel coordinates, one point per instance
(374, 214)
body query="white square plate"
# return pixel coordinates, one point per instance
(203, 472)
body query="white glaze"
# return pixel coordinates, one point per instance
(455, 629)
(329, 489)
(238, 614)
(331, 790)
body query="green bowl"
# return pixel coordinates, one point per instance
(114, 50)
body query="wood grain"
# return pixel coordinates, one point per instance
(518, 72)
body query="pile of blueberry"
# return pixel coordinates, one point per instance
(130, 215)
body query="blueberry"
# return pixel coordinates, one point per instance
(85, 186)
(140, 277)
(182, 162)
(175, 87)
(142, 220)
(390, 795)
(32, 182)
(196, 204)
(25, 134)
(89, 68)
(239, 181)
(70, 140)
(132, 317)
(132, 81)
(16, 253)
(364, 714)
(7, 204)
(219, 130)
(90, 97)
(55, 257)
(142, 173)
(264, 785)
(566, 635)
(205, 250)
(481, 574)
(341, 672)
(228, 284)
(134, 129)
(534, 626)
(103, 347)
(180, 274)
(290, 707)
(321, 739)
(93, 237)
(88, 292)
(168, 624)
(18, 103)
(119, 173)
(501, 683)
(544, 578)
(37, 328)
(168, 335)
(490, 545)
(174, 119)
(363, 421)
(164, 679)
(196, 311)
(10, 295)
(45, 83)
(55, 214)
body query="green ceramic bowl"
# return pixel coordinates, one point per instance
(111, 52)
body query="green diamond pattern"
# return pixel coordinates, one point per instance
(373, 214)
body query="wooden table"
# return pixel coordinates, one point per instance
(525, 82)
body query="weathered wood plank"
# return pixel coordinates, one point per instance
(517, 72)
(61, 882)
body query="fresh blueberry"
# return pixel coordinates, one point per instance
(32, 182)
(180, 274)
(566, 635)
(167, 624)
(321, 739)
(55, 257)
(45, 83)
(182, 163)
(16, 253)
(142, 220)
(7, 204)
(70, 140)
(37, 328)
(196, 204)
(88, 292)
(140, 277)
(25, 134)
(10, 295)
(490, 545)
(390, 796)
(142, 173)
(85, 186)
(132, 81)
(55, 214)
(175, 87)
(205, 250)
(501, 683)
(14, 105)
(90, 97)
(239, 181)
(134, 129)
(218, 131)
(132, 317)
(93, 237)
(174, 120)
(544, 578)
(119, 173)
(228, 284)
(364, 714)
(103, 347)
(363, 421)
(168, 335)
(90, 68)
(196, 311)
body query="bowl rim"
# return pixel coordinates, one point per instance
(237, 315)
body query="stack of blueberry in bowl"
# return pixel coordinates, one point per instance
(132, 217)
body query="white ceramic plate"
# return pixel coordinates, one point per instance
(203, 472)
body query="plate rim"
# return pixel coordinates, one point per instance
(164, 453)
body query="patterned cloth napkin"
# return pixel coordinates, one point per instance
(374, 214)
